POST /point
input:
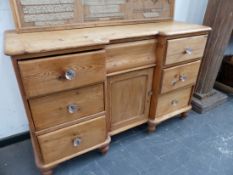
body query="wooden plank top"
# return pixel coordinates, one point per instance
(43, 42)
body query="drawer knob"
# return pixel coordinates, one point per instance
(174, 82)
(77, 142)
(72, 108)
(174, 102)
(188, 51)
(183, 78)
(70, 74)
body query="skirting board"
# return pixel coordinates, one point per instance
(14, 139)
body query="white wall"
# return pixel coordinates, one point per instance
(190, 11)
(12, 114)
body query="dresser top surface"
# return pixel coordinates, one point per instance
(43, 42)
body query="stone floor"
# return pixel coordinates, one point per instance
(198, 145)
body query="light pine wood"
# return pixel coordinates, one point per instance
(36, 15)
(59, 144)
(52, 110)
(44, 76)
(158, 120)
(121, 73)
(69, 123)
(173, 101)
(176, 49)
(180, 76)
(76, 154)
(129, 98)
(157, 78)
(43, 43)
(130, 55)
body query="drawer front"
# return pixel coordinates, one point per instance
(185, 49)
(173, 101)
(130, 55)
(68, 142)
(64, 107)
(180, 76)
(44, 76)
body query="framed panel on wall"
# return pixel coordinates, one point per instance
(40, 15)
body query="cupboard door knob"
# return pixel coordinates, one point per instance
(188, 51)
(183, 78)
(174, 102)
(70, 74)
(77, 142)
(72, 108)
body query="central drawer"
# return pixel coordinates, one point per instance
(68, 106)
(130, 55)
(72, 141)
(54, 74)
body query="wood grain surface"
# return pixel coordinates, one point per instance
(52, 110)
(43, 43)
(60, 144)
(47, 75)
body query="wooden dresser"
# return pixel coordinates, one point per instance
(82, 86)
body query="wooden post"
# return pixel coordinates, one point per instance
(219, 16)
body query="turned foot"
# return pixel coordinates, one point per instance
(104, 149)
(151, 127)
(47, 172)
(184, 115)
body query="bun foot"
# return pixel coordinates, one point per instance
(151, 127)
(184, 115)
(46, 172)
(104, 149)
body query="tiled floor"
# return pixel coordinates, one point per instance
(198, 145)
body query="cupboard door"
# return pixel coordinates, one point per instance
(129, 99)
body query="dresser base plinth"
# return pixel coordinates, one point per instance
(182, 112)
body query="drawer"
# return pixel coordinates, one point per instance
(64, 107)
(173, 101)
(185, 49)
(180, 76)
(72, 141)
(54, 74)
(130, 55)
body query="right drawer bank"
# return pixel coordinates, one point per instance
(178, 64)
